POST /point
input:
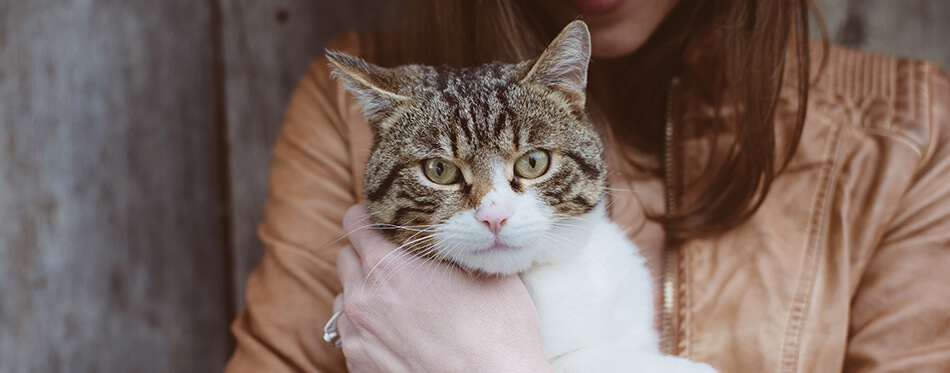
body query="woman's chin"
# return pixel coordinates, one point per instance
(594, 7)
(618, 27)
(612, 43)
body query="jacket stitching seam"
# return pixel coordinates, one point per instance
(929, 96)
(805, 284)
(895, 134)
(688, 304)
(919, 80)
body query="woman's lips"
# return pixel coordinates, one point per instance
(594, 7)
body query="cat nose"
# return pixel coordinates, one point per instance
(494, 218)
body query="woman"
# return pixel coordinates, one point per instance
(780, 241)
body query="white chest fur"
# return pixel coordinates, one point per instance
(596, 308)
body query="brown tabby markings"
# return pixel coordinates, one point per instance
(471, 117)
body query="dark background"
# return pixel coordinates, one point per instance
(134, 149)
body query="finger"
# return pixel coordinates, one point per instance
(349, 268)
(343, 325)
(338, 305)
(371, 246)
(338, 302)
(348, 335)
(356, 218)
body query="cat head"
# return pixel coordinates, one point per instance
(492, 167)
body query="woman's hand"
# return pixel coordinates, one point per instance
(406, 314)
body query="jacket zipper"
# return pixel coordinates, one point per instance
(669, 290)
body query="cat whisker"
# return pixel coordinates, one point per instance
(450, 254)
(562, 238)
(410, 258)
(612, 202)
(428, 259)
(413, 258)
(400, 254)
(564, 224)
(608, 189)
(371, 225)
(553, 244)
(558, 244)
(366, 278)
(567, 218)
(550, 244)
(406, 247)
(347, 234)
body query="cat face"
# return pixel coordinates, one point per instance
(492, 167)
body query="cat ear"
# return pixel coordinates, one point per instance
(563, 65)
(371, 85)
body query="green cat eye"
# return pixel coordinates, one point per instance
(441, 171)
(533, 164)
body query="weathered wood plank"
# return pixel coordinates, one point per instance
(910, 28)
(111, 252)
(267, 48)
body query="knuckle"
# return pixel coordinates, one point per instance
(355, 354)
(352, 357)
(373, 271)
(380, 271)
(357, 313)
(353, 217)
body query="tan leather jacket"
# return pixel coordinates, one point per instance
(846, 266)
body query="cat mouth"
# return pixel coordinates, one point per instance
(498, 247)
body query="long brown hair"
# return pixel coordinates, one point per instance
(729, 53)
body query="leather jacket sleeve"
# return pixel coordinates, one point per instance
(900, 315)
(290, 293)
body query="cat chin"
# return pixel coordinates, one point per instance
(499, 260)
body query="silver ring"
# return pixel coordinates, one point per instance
(330, 335)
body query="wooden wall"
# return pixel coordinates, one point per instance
(135, 138)
(111, 218)
(134, 146)
(910, 28)
(267, 46)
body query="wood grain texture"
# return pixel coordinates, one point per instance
(267, 48)
(110, 212)
(910, 28)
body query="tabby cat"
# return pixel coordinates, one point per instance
(497, 169)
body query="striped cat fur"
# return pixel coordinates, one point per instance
(589, 285)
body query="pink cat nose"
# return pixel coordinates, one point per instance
(494, 217)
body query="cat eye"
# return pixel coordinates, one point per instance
(533, 164)
(441, 171)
